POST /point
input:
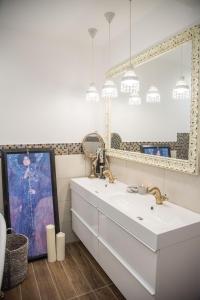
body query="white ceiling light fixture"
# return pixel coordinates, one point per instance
(153, 95)
(130, 82)
(181, 90)
(109, 90)
(134, 100)
(92, 94)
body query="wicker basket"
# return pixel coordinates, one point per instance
(16, 260)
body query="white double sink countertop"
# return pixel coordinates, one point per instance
(156, 226)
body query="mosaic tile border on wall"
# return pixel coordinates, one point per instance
(181, 146)
(58, 148)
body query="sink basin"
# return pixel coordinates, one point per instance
(163, 217)
(102, 186)
(156, 226)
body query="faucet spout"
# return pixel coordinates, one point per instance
(108, 174)
(155, 191)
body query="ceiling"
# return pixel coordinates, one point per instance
(71, 19)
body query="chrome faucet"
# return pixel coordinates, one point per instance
(155, 191)
(108, 174)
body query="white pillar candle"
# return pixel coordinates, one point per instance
(51, 243)
(60, 246)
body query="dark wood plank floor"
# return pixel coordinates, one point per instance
(78, 277)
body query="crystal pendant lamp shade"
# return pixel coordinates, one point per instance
(134, 100)
(153, 95)
(130, 82)
(92, 94)
(181, 91)
(109, 90)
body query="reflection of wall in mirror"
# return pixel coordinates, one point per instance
(156, 122)
(179, 148)
(92, 147)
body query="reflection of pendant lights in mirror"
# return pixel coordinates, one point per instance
(109, 90)
(153, 95)
(181, 90)
(134, 100)
(130, 82)
(92, 93)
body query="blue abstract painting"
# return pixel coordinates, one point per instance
(31, 197)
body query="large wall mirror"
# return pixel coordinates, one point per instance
(160, 130)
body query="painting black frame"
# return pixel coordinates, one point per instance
(5, 183)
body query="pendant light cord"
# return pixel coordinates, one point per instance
(181, 68)
(93, 58)
(109, 47)
(130, 32)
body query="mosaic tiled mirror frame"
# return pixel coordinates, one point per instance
(190, 166)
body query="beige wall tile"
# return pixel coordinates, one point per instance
(87, 167)
(68, 166)
(63, 189)
(183, 189)
(69, 234)
(117, 167)
(144, 174)
(64, 212)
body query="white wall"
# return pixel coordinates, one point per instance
(42, 90)
(167, 19)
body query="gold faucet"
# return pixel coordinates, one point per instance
(109, 175)
(157, 194)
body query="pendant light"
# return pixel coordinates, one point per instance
(130, 82)
(153, 95)
(92, 93)
(181, 90)
(134, 99)
(109, 90)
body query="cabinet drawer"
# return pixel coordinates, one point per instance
(85, 210)
(126, 283)
(88, 238)
(139, 259)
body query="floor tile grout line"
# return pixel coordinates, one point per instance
(92, 291)
(96, 270)
(53, 280)
(36, 281)
(90, 288)
(81, 295)
(112, 292)
(20, 291)
(82, 274)
(68, 278)
(92, 264)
